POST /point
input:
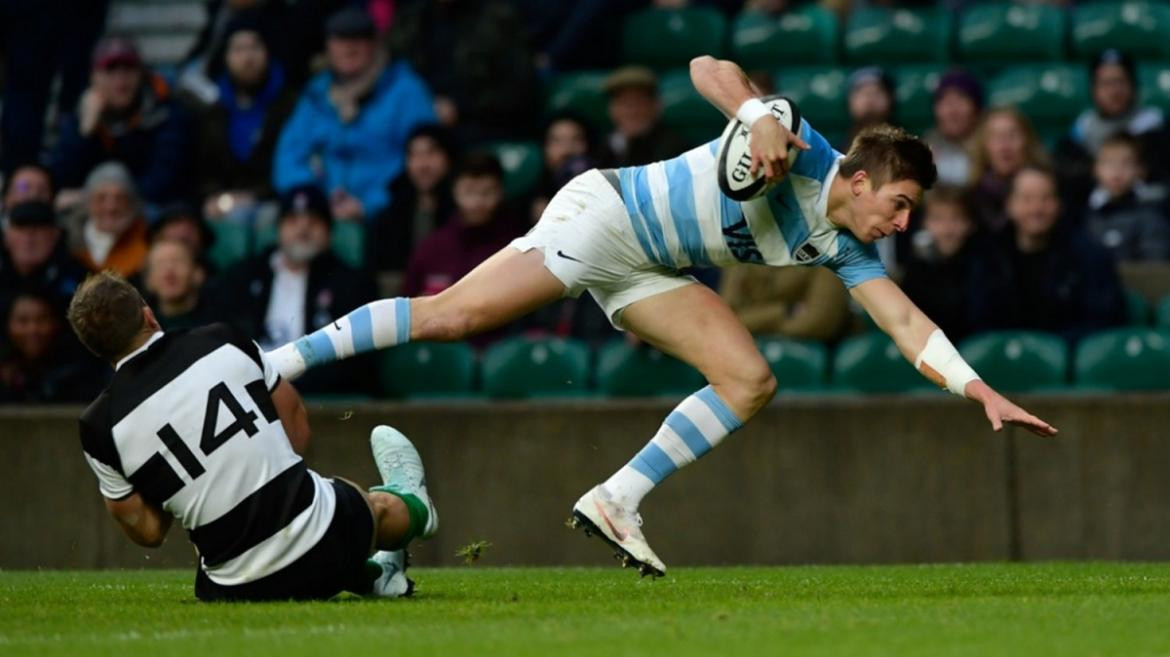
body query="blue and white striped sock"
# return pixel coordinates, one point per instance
(376, 325)
(696, 425)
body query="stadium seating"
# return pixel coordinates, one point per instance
(687, 112)
(871, 363)
(1018, 361)
(891, 36)
(667, 38)
(799, 366)
(1124, 359)
(802, 35)
(624, 370)
(428, 370)
(1046, 93)
(1162, 314)
(523, 162)
(579, 93)
(914, 87)
(1154, 84)
(232, 243)
(534, 368)
(349, 242)
(1137, 309)
(1138, 27)
(819, 92)
(1009, 32)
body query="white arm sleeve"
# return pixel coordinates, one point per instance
(942, 357)
(110, 482)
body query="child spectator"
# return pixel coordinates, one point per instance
(1125, 216)
(173, 280)
(938, 270)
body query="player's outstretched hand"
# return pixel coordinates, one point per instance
(769, 146)
(1000, 411)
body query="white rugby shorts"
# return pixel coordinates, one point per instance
(589, 244)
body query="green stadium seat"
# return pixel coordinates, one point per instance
(579, 93)
(799, 366)
(263, 236)
(1046, 93)
(231, 244)
(819, 92)
(666, 38)
(685, 111)
(890, 36)
(802, 35)
(1154, 84)
(536, 368)
(624, 370)
(1162, 314)
(1018, 361)
(349, 242)
(1008, 32)
(871, 363)
(428, 370)
(1124, 359)
(914, 87)
(1137, 309)
(1137, 27)
(523, 162)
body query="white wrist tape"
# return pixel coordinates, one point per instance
(752, 110)
(942, 357)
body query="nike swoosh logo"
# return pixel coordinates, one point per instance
(337, 326)
(617, 534)
(568, 257)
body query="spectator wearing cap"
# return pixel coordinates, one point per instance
(297, 287)
(35, 255)
(481, 74)
(348, 132)
(421, 199)
(958, 103)
(42, 363)
(870, 100)
(127, 114)
(635, 109)
(173, 281)
(1044, 273)
(181, 223)
(110, 232)
(238, 131)
(28, 182)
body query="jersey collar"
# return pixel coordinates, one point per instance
(823, 199)
(146, 345)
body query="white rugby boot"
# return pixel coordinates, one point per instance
(393, 582)
(598, 513)
(401, 468)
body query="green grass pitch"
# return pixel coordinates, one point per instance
(992, 609)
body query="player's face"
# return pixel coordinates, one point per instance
(32, 327)
(349, 57)
(1032, 204)
(955, 114)
(948, 226)
(633, 111)
(1117, 169)
(564, 139)
(426, 163)
(110, 208)
(1005, 142)
(883, 211)
(118, 86)
(477, 198)
(171, 273)
(28, 184)
(30, 246)
(1112, 91)
(246, 58)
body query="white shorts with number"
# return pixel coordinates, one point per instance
(589, 244)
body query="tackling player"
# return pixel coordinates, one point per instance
(199, 426)
(624, 234)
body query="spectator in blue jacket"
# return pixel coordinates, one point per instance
(349, 130)
(127, 115)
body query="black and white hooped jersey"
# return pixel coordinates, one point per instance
(188, 423)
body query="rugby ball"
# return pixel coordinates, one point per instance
(735, 157)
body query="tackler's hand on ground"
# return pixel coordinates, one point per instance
(769, 145)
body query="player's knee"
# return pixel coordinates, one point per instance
(749, 388)
(386, 507)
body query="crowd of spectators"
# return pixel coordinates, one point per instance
(298, 117)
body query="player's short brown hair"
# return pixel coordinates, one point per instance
(106, 314)
(890, 154)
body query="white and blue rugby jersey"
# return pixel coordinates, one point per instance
(682, 219)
